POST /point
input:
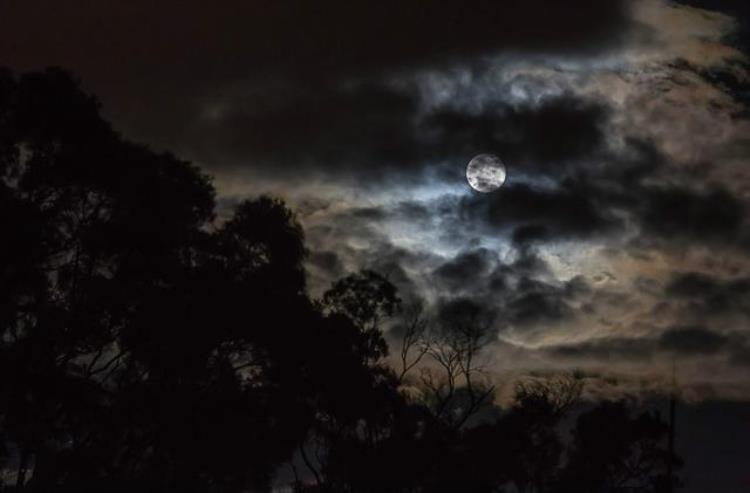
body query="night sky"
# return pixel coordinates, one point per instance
(618, 244)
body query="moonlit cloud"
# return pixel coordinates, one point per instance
(624, 127)
(664, 193)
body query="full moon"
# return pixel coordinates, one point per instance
(485, 173)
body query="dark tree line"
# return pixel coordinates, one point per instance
(146, 346)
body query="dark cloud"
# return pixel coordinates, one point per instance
(462, 271)
(327, 261)
(692, 340)
(463, 313)
(302, 38)
(693, 284)
(711, 294)
(390, 260)
(372, 214)
(157, 64)
(530, 233)
(740, 354)
(557, 131)
(680, 213)
(532, 213)
(683, 341)
(524, 290)
(537, 306)
(535, 302)
(607, 348)
(324, 129)
(413, 211)
(593, 200)
(528, 264)
(374, 251)
(376, 130)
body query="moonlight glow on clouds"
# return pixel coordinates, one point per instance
(625, 266)
(619, 240)
(655, 98)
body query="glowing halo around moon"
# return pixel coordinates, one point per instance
(486, 173)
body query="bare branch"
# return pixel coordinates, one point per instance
(412, 342)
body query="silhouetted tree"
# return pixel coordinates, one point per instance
(533, 448)
(614, 452)
(452, 386)
(414, 345)
(366, 298)
(143, 346)
(359, 402)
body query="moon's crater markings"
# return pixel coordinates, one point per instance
(485, 173)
